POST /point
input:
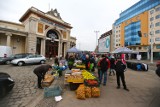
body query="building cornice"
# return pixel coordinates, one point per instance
(4, 21)
(13, 31)
(45, 16)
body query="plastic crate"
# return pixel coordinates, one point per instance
(52, 91)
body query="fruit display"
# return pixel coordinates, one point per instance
(75, 70)
(75, 79)
(80, 66)
(88, 92)
(87, 75)
(91, 82)
(95, 92)
(80, 92)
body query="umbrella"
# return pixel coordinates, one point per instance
(73, 50)
(124, 50)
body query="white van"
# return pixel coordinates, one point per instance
(5, 51)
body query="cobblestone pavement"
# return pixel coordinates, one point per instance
(24, 91)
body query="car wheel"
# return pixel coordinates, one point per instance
(8, 62)
(42, 62)
(20, 63)
(3, 92)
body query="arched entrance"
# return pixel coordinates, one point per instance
(52, 44)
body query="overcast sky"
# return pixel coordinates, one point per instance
(85, 16)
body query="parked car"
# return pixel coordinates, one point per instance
(30, 59)
(6, 84)
(7, 60)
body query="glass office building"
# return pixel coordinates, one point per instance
(139, 7)
(138, 18)
(131, 35)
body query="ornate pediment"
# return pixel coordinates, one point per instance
(54, 13)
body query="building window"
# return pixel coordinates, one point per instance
(152, 11)
(158, 16)
(152, 25)
(158, 46)
(140, 48)
(158, 9)
(152, 18)
(157, 24)
(157, 31)
(40, 28)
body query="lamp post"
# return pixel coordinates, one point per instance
(152, 34)
(152, 44)
(96, 36)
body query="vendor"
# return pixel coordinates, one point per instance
(71, 61)
(40, 71)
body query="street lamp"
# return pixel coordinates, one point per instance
(96, 36)
(151, 44)
(151, 35)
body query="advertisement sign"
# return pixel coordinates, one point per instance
(104, 44)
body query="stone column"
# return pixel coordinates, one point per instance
(26, 44)
(43, 46)
(8, 39)
(148, 55)
(68, 41)
(60, 47)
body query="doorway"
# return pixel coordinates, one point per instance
(51, 49)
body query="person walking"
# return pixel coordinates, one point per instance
(112, 62)
(120, 69)
(40, 71)
(104, 65)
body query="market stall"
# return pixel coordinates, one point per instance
(83, 82)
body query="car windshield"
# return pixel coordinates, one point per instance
(11, 56)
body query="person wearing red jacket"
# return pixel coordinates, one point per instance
(104, 65)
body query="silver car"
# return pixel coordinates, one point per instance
(30, 59)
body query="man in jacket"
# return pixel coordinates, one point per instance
(104, 65)
(158, 69)
(120, 69)
(40, 71)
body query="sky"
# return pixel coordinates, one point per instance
(85, 16)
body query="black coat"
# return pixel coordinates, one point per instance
(158, 71)
(104, 65)
(120, 67)
(112, 62)
(41, 70)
